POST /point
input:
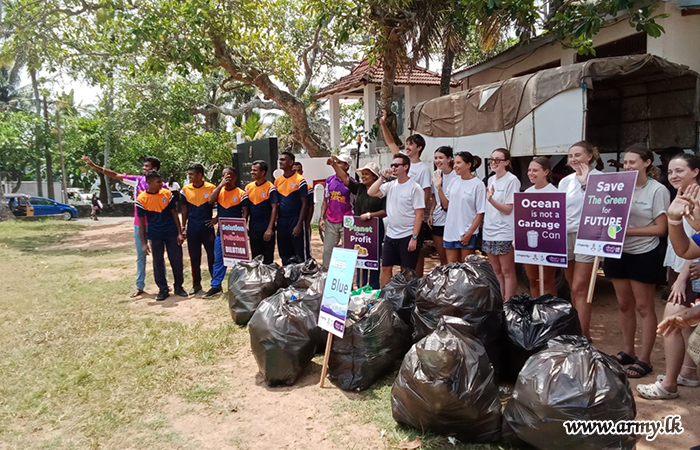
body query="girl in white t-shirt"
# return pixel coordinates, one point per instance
(436, 219)
(464, 203)
(538, 172)
(582, 158)
(499, 229)
(683, 171)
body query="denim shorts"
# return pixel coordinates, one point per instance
(454, 245)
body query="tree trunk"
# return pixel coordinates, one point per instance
(109, 106)
(446, 74)
(64, 189)
(5, 212)
(389, 65)
(49, 156)
(37, 141)
(291, 104)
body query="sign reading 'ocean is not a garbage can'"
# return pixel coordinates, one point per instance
(540, 228)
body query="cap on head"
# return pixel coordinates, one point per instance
(372, 167)
(347, 159)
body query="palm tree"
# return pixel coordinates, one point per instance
(251, 128)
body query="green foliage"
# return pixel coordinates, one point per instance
(19, 132)
(251, 127)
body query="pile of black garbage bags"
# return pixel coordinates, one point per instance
(465, 340)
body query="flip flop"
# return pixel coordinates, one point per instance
(642, 370)
(625, 359)
(681, 381)
(137, 293)
(655, 391)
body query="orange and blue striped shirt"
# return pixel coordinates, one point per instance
(231, 203)
(260, 200)
(157, 209)
(291, 190)
(198, 208)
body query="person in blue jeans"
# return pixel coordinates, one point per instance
(231, 201)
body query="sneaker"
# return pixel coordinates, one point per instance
(162, 295)
(212, 292)
(181, 292)
(195, 289)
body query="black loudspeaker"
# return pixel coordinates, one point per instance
(249, 152)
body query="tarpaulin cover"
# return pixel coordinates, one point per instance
(248, 284)
(469, 290)
(375, 338)
(570, 380)
(530, 323)
(282, 335)
(500, 106)
(446, 385)
(400, 291)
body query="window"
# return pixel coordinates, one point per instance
(40, 201)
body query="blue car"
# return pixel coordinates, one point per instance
(45, 206)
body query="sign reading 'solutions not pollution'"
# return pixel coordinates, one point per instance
(234, 240)
(606, 210)
(336, 294)
(363, 236)
(540, 228)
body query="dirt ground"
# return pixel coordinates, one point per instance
(281, 418)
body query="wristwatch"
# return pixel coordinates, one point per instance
(415, 236)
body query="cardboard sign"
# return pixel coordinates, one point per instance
(540, 228)
(234, 240)
(336, 294)
(606, 210)
(363, 236)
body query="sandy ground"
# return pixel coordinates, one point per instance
(280, 416)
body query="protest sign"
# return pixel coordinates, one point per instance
(540, 228)
(606, 209)
(234, 240)
(363, 236)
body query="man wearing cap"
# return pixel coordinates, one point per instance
(337, 202)
(365, 206)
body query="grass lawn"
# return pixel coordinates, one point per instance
(82, 369)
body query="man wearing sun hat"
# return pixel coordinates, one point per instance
(365, 206)
(337, 202)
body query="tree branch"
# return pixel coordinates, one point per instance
(309, 62)
(256, 103)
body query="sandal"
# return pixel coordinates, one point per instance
(681, 381)
(625, 359)
(655, 392)
(137, 293)
(642, 369)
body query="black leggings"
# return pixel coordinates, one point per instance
(195, 241)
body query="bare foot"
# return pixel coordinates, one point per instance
(136, 293)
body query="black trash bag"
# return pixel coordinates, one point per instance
(248, 284)
(282, 336)
(400, 291)
(570, 380)
(447, 385)
(294, 270)
(530, 323)
(375, 338)
(469, 290)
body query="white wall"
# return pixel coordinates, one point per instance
(30, 188)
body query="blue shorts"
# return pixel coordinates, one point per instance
(454, 245)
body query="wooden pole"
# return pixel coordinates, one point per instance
(324, 370)
(541, 269)
(594, 275)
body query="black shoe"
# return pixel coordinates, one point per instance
(162, 295)
(181, 292)
(195, 289)
(212, 292)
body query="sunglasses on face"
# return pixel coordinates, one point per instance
(496, 160)
(395, 165)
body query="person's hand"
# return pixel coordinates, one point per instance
(437, 179)
(145, 250)
(388, 173)
(322, 225)
(382, 120)
(268, 235)
(678, 208)
(184, 232)
(296, 232)
(489, 193)
(332, 161)
(671, 325)
(225, 178)
(677, 295)
(692, 212)
(87, 160)
(430, 221)
(582, 171)
(180, 239)
(694, 273)
(412, 244)
(466, 237)
(211, 222)
(366, 216)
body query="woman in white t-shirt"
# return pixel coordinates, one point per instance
(539, 172)
(464, 202)
(582, 158)
(683, 171)
(634, 274)
(444, 161)
(499, 229)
